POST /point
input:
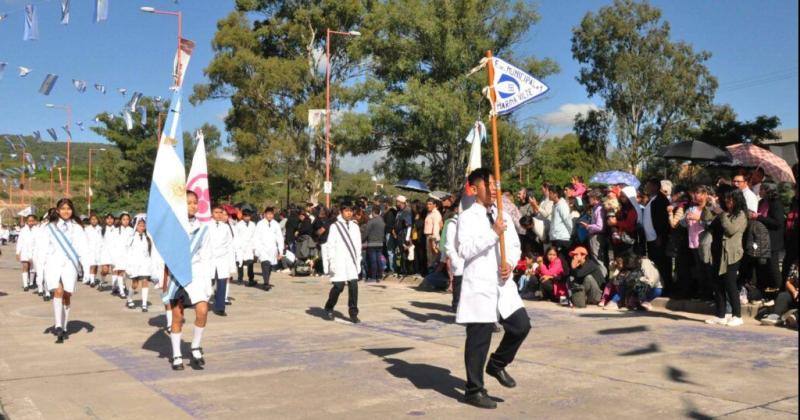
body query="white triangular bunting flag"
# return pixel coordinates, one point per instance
(514, 86)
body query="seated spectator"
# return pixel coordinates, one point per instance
(550, 279)
(784, 312)
(649, 286)
(613, 291)
(586, 278)
(525, 269)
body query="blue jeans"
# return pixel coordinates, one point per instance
(219, 295)
(390, 245)
(653, 293)
(375, 269)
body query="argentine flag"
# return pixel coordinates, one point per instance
(167, 213)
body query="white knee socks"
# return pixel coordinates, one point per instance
(196, 341)
(175, 338)
(58, 312)
(66, 316)
(25, 279)
(168, 312)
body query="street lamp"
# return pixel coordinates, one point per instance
(179, 15)
(90, 193)
(328, 106)
(67, 108)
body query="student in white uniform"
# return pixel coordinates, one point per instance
(268, 245)
(344, 261)
(65, 245)
(40, 254)
(245, 241)
(25, 250)
(94, 236)
(488, 292)
(105, 258)
(140, 262)
(222, 254)
(123, 233)
(195, 294)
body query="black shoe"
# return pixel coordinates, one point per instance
(220, 313)
(239, 282)
(114, 292)
(329, 315)
(251, 283)
(198, 361)
(502, 376)
(354, 319)
(227, 302)
(497, 329)
(480, 399)
(144, 308)
(267, 287)
(176, 366)
(59, 335)
(46, 298)
(25, 288)
(41, 294)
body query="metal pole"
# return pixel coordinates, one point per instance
(328, 114)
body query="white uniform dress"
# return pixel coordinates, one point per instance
(268, 241)
(344, 250)
(245, 241)
(140, 261)
(200, 289)
(59, 266)
(40, 252)
(106, 256)
(94, 244)
(223, 250)
(483, 299)
(25, 243)
(123, 237)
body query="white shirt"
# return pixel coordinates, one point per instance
(344, 250)
(222, 249)
(483, 297)
(649, 231)
(268, 241)
(751, 199)
(246, 240)
(456, 262)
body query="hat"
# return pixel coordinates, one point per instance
(401, 199)
(666, 186)
(580, 249)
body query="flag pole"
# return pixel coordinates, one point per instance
(496, 150)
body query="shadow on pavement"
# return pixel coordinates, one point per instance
(320, 313)
(447, 319)
(160, 343)
(3, 294)
(421, 375)
(432, 305)
(678, 375)
(72, 328)
(652, 348)
(625, 330)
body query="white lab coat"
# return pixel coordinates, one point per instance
(105, 257)
(483, 298)
(120, 240)
(25, 242)
(268, 241)
(39, 250)
(456, 262)
(245, 240)
(223, 252)
(140, 256)
(94, 245)
(57, 266)
(341, 252)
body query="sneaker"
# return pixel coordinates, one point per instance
(769, 303)
(735, 321)
(647, 306)
(563, 301)
(611, 305)
(771, 319)
(717, 321)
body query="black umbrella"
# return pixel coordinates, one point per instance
(695, 151)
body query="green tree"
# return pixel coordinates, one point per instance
(655, 89)
(421, 101)
(558, 159)
(592, 131)
(723, 129)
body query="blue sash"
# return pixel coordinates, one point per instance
(197, 239)
(66, 246)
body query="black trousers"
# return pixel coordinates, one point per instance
(352, 296)
(663, 263)
(479, 337)
(266, 270)
(240, 271)
(456, 291)
(725, 287)
(768, 275)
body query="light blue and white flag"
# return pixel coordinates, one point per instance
(66, 129)
(23, 71)
(100, 88)
(134, 101)
(122, 91)
(64, 12)
(37, 135)
(48, 83)
(128, 119)
(514, 87)
(167, 212)
(21, 140)
(100, 10)
(3, 16)
(80, 85)
(79, 124)
(143, 112)
(52, 134)
(10, 143)
(2, 69)
(31, 24)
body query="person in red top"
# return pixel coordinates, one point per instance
(623, 226)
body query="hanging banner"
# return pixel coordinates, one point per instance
(178, 72)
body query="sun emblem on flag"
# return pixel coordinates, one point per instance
(177, 190)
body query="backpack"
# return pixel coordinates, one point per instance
(756, 240)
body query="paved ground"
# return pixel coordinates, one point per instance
(274, 357)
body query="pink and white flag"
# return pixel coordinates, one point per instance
(197, 180)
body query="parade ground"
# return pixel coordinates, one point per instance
(274, 356)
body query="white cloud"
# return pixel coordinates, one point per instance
(565, 116)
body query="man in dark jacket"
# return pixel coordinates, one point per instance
(770, 214)
(656, 230)
(374, 242)
(587, 278)
(389, 214)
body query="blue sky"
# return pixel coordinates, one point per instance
(753, 44)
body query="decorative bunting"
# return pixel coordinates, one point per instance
(52, 134)
(66, 128)
(100, 88)
(37, 135)
(100, 10)
(128, 120)
(64, 12)
(10, 143)
(143, 112)
(179, 72)
(79, 124)
(2, 69)
(31, 24)
(80, 85)
(23, 71)
(122, 91)
(134, 101)
(48, 83)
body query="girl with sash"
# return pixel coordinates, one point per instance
(65, 245)
(105, 260)
(123, 234)
(140, 265)
(195, 294)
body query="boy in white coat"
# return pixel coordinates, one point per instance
(246, 244)
(268, 245)
(488, 294)
(223, 256)
(344, 262)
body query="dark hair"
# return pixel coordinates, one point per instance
(54, 217)
(269, 210)
(596, 195)
(525, 221)
(546, 185)
(346, 205)
(557, 191)
(190, 192)
(739, 203)
(376, 210)
(480, 174)
(218, 206)
(630, 261)
(547, 262)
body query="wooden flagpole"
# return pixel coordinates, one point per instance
(496, 150)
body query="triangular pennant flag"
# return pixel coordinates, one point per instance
(21, 140)
(513, 86)
(100, 10)
(143, 112)
(179, 71)
(66, 128)
(128, 120)
(10, 143)
(52, 134)
(64, 12)
(134, 101)
(23, 71)
(31, 24)
(100, 88)
(37, 135)
(122, 91)
(79, 124)
(3, 16)
(2, 69)
(80, 85)
(48, 83)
